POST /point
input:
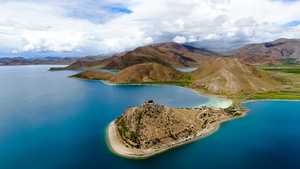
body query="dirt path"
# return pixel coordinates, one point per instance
(238, 104)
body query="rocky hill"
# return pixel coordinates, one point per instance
(278, 49)
(230, 75)
(93, 75)
(147, 72)
(150, 128)
(49, 60)
(255, 59)
(221, 76)
(96, 64)
(167, 54)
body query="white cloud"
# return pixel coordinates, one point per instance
(179, 39)
(90, 27)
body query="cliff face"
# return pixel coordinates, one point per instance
(152, 125)
(229, 75)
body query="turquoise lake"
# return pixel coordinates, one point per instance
(48, 121)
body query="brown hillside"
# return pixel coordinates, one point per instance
(98, 64)
(93, 75)
(279, 49)
(167, 54)
(255, 59)
(152, 125)
(229, 75)
(147, 72)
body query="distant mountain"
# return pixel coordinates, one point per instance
(49, 60)
(278, 49)
(255, 59)
(89, 64)
(167, 54)
(230, 75)
(6, 59)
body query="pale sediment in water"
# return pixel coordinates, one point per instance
(217, 102)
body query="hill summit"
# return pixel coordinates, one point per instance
(230, 75)
(221, 76)
(150, 128)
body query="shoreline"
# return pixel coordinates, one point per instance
(255, 100)
(119, 149)
(210, 97)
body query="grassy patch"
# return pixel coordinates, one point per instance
(293, 70)
(281, 94)
(289, 61)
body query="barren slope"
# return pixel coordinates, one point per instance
(255, 59)
(229, 75)
(147, 72)
(279, 49)
(151, 127)
(167, 54)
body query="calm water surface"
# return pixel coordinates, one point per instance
(49, 121)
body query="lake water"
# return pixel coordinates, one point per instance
(49, 121)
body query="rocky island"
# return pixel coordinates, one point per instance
(152, 128)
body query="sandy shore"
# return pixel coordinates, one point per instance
(115, 142)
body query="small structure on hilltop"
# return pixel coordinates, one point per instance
(149, 103)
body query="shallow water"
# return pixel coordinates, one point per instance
(49, 121)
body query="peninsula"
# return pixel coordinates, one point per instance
(152, 128)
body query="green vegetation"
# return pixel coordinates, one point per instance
(281, 94)
(293, 70)
(289, 61)
(125, 132)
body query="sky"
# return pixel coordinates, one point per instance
(37, 28)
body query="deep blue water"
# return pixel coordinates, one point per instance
(48, 121)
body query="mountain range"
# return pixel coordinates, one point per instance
(221, 76)
(172, 54)
(278, 49)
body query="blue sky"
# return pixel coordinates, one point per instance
(36, 28)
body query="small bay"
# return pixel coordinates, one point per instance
(50, 121)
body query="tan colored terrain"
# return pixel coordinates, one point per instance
(230, 75)
(221, 76)
(93, 75)
(167, 54)
(147, 72)
(152, 128)
(278, 49)
(255, 59)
